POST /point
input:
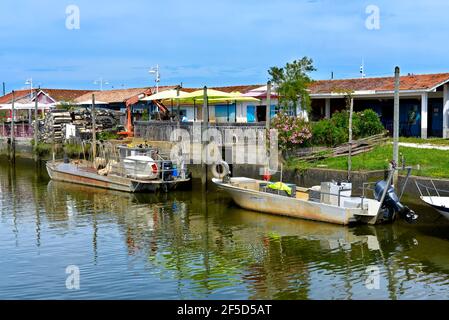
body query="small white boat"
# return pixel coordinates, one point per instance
(436, 201)
(331, 202)
(440, 204)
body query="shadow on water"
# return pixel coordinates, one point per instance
(200, 245)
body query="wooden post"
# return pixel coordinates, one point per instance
(327, 108)
(204, 126)
(268, 111)
(235, 111)
(396, 123)
(12, 150)
(351, 110)
(94, 133)
(177, 106)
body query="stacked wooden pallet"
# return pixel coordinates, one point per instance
(53, 127)
(357, 147)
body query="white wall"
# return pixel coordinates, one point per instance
(241, 108)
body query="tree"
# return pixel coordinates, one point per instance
(349, 98)
(292, 82)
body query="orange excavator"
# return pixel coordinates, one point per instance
(129, 123)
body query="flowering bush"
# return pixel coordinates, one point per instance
(293, 131)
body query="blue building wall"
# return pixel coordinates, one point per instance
(408, 108)
(225, 113)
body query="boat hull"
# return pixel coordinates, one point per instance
(440, 204)
(69, 173)
(291, 207)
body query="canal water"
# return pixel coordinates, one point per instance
(189, 245)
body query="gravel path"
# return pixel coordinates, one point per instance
(423, 146)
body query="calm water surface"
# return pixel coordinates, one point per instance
(189, 245)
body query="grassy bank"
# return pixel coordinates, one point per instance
(433, 163)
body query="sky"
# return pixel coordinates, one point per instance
(215, 42)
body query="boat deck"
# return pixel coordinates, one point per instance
(252, 184)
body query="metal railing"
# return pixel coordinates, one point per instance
(429, 190)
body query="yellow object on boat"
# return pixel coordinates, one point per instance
(280, 186)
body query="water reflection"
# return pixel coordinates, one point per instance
(194, 245)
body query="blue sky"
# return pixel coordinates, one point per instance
(199, 42)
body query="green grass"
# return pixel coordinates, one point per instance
(433, 163)
(107, 135)
(43, 149)
(75, 150)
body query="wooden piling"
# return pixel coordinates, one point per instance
(268, 111)
(12, 144)
(351, 111)
(178, 106)
(94, 133)
(204, 126)
(396, 123)
(36, 127)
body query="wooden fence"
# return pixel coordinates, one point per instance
(162, 130)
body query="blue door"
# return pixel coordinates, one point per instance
(251, 113)
(435, 113)
(273, 111)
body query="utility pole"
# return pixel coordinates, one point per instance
(396, 122)
(94, 134)
(268, 111)
(36, 126)
(4, 88)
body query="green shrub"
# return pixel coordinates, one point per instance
(107, 135)
(369, 123)
(340, 119)
(326, 133)
(335, 131)
(43, 149)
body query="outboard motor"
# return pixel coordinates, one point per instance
(167, 169)
(391, 206)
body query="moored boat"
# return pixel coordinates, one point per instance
(434, 198)
(440, 204)
(139, 169)
(330, 202)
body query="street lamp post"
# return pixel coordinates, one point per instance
(30, 83)
(101, 82)
(157, 74)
